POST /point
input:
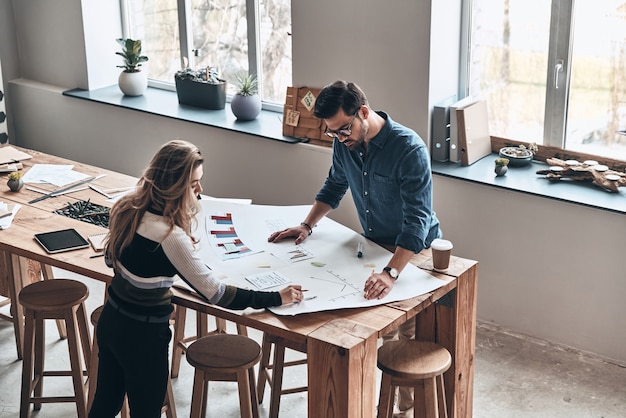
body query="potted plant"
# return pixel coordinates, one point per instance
(15, 182)
(501, 166)
(246, 103)
(132, 81)
(201, 88)
(520, 155)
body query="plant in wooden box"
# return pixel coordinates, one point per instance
(132, 81)
(501, 166)
(201, 88)
(15, 182)
(246, 104)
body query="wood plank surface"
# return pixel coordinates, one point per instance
(342, 364)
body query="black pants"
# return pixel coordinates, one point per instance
(133, 360)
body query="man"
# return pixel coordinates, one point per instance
(387, 168)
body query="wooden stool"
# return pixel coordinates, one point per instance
(272, 373)
(169, 408)
(419, 364)
(181, 341)
(225, 358)
(15, 273)
(54, 299)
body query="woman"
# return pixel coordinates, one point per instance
(149, 243)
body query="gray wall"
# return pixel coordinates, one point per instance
(549, 269)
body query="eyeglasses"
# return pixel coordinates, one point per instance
(345, 132)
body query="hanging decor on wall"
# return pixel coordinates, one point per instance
(4, 130)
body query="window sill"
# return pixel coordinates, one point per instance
(524, 179)
(268, 125)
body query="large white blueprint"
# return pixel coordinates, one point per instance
(325, 264)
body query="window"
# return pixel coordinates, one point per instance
(552, 73)
(232, 35)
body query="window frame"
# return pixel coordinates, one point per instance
(558, 74)
(187, 49)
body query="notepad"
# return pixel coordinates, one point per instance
(97, 241)
(267, 280)
(62, 240)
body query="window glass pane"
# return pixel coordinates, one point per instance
(155, 22)
(597, 101)
(275, 28)
(508, 64)
(220, 34)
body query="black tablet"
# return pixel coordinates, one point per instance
(62, 240)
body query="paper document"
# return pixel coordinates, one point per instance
(56, 174)
(6, 220)
(264, 281)
(326, 264)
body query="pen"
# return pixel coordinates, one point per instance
(309, 298)
(95, 189)
(97, 255)
(359, 250)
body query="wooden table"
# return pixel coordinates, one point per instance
(341, 345)
(22, 260)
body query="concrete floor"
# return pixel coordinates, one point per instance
(515, 377)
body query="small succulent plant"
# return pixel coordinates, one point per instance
(502, 162)
(247, 84)
(15, 175)
(209, 75)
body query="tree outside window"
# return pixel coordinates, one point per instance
(553, 73)
(232, 35)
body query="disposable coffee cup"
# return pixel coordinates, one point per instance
(441, 250)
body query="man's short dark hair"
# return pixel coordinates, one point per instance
(339, 95)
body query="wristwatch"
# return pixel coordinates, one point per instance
(392, 272)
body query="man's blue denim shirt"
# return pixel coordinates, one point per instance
(391, 185)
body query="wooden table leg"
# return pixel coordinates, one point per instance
(16, 311)
(455, 328)
(341, 358)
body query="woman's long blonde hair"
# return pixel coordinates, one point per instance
(164, 188)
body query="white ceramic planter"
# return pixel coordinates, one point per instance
(133, 84)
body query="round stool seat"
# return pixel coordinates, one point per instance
(95, 315)
(226, 358)
(411, 359)
(53, 295)
(417, 364)
(224, 352)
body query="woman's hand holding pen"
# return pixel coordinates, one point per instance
(291, 294)
(300, 232)
(378, 285)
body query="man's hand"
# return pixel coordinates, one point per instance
(301, 233)
(378, 285)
